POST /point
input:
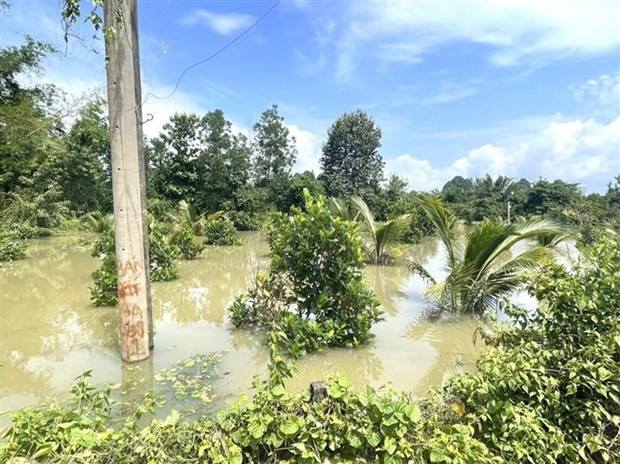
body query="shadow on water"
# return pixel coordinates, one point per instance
(50, 333)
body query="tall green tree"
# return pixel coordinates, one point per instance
(274, 148)
(224, 163)
(548, 198)
(81, 168)
(25, 122)
(351, 161)
(173, 159)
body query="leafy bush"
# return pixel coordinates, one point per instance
(12, 249)
(104, 290)
(162, 253)
(244, 221)
(221, 232)
(420, 226)
(35, 214)
(315, 291)
(188, 245)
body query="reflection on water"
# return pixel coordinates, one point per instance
(50, 334)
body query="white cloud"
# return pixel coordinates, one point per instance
(602, 93)
(586, 152)
(156, 112)
(220, 23)
(447, 91)
(308, 149)
(514, 31)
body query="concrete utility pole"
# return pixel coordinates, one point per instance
(128, 180)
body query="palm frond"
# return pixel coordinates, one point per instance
(443, 221)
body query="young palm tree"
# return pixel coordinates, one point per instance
(482, 266)
(186, 215)
(382, 237)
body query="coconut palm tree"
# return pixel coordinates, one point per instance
(187, 216)
(482, 265)
(382, 237)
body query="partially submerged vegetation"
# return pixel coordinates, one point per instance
(221, 232)
(546, 390)
(482, 263)
(12, 248)
(314, 294)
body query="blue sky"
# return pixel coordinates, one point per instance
(521, 88)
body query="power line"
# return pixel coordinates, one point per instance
(216, 53)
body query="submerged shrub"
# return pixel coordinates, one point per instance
(188, 245)
(244, 221)
(221, 232)
(162, 252)
(12, 249)
(315, 292)
(103, 292)
(419, 227)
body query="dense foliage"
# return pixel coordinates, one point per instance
(12, 248)
(221, 232)
(315, 292)
(546, 390)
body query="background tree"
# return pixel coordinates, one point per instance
(351, 161)
(82, 168)
(548, 198)
(25, 122)
(223, 163)
(173, 159)
(293, 194)
(274, 148)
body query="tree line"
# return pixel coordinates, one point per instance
(51, 170)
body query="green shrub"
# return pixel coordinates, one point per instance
(34, 214)
(221, 232)
(315, 292)
(244, 221)
(162, 253)
(12, 249)
(188, 245)
(547, 387)
(104, 291)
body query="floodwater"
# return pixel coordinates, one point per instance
(50, 334)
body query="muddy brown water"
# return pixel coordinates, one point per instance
(50, 333)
